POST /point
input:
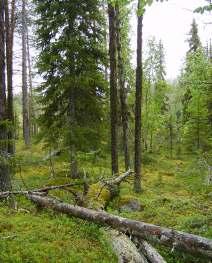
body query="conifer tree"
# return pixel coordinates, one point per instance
(71, 61)
(194, 40)
(25, 94)
(138, 101)
(10, 12)
(4, 170)
(194, 45)
(113, 87)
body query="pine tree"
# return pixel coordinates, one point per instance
(4, 170)
(113, 87)
(10, 26)
(138, 99)
(25, 95)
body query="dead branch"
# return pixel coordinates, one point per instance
(39, 191)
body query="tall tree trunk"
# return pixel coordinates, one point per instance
(198, 122)
(25, 101)
(105, 8)
(138, 98)
(4, 169)
(10, 25)
(147, 114)
(113, 88)
(122, 92)
(151, 141)
(72, 121)
(33, 129)
(171, 136)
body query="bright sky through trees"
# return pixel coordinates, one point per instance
(170, 21)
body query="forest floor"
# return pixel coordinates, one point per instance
(174, 195)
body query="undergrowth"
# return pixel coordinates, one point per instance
(174, 195)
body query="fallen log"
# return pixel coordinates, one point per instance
(124, 248)
(175, 239)
(39, 191)
(119, 179)
(150, 252)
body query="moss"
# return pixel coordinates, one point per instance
(98, 196)
(174, 195)
(47, 237)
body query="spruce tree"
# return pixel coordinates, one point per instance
(194, 40)
(71, 61)
(194, 45)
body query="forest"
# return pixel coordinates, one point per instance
(103, 156)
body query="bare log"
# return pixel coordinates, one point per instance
(175, 239)
(119, 179)
(124, 248)
(150, 252)
(56, 187)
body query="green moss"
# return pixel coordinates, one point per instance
(47, 237)
(174, 195)
(98, 196)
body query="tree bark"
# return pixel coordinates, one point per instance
(122, 92)
(5, 183)
(2, 76)
(33, 128)
(124, 248)
(113, 88)
(25, 99)
(72, 122)
(195, 245)
(171, 136)
(150, 252)
(138, 98)
(10, 26)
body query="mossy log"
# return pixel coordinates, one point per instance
(193, 244)
(101, 193)
(98, 197)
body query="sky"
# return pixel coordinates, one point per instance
(171, 21)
